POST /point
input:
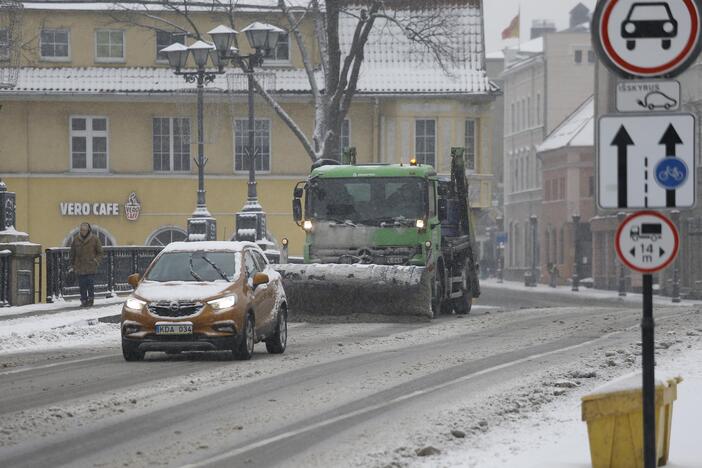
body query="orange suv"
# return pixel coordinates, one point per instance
(205, 296)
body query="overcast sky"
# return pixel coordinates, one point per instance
(499, 13)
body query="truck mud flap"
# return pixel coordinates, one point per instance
(337, 290)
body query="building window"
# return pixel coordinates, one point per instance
(578, 56)
(590, 56)
(165, 235)
(106, 239)
(591, 186)
(171, 143)
(109, 45)
(281, 52)
(425, 141)
(345, 139)
(89, 143)
(163, 40)
(538, 109)
(4, 44)
(54, 44)
(563, 189)
(529, 113)
(470, 144)
(262, 145)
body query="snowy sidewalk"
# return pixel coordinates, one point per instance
(11, 313)
(600, 294)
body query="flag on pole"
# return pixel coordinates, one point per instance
(513, 29)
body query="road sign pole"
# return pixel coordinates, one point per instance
(648, 361)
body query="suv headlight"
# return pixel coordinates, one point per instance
(134, 303)
(223, 303)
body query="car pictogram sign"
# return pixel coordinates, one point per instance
(644, 38)
(647, 242)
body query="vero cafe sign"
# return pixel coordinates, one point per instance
(131, 208)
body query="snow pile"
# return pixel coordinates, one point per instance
(60, 330)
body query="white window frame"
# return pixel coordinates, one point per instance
(436, 131)
(270, 144)
(171, 33)
(341, 137)
(171, 152)
(274, 62)
(475, 142)
(162, 230)
(5, 56)
(49, 58)
(89, 134)
(121, 59)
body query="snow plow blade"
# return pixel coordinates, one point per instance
(393, 292)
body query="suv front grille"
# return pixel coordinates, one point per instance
(175, 309)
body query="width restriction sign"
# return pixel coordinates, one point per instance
(646, 161)
(647, 242)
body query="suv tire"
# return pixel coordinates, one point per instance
(131, 352)
(244, 346)
(276, 344)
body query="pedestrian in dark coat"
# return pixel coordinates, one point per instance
(86, 254)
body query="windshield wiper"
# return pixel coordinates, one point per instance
(396, 220)
(346, 222)
(192, 272)
(214, 265)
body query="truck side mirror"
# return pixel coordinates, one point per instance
(298, 192)
(443, 209)
(297, 210)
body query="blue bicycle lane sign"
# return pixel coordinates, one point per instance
(671, 173)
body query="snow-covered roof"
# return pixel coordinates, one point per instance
(393, 64)
(577, 130)
(374, 79)
(151, 5)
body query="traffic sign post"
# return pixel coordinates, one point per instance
(647, 160)
(648, 242)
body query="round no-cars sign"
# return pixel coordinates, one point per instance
(647, 242)
(645, 38)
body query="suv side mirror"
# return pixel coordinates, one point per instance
(297, 210)
(259, 279)
(133, 280)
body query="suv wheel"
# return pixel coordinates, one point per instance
(131, 352)
(276, 344)
(244, 348)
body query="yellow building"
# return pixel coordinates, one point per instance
(98, 127)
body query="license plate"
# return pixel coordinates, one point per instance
(174, 329)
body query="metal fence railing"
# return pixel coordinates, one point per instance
(5, 257)
(111, 278)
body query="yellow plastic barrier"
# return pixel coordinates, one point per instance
(615, 426)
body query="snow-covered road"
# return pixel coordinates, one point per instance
(448, 393)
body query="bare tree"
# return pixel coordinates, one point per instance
(333, 76)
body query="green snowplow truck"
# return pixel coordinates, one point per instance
(391, 240)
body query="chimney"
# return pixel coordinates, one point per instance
(540, 28)
(579, 15)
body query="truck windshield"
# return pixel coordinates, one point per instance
(194, 266)
(368, 200)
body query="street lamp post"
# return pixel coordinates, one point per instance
(675, 215)
(622, 267)
(534, 250)
(262, 37)
(500, 250)
(576, 262)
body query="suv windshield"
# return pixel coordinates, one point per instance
(368, 200)
(194, 266)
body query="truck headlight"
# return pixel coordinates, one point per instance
(427, 244)
(420, 224)
(223, 302)
(307, 225)
(134, 304)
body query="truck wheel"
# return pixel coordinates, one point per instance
(464, 304)
(243, 349)
(276, 344)
(438, 292)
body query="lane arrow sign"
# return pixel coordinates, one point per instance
(670, 139)
(622, 141)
